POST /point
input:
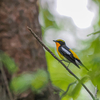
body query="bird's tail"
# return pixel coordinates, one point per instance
(85, 67)
(77, 65)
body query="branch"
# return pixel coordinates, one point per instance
(94, 33)
(67, 89)
(39, 40)
(6, 82)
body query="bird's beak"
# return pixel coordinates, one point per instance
(54, 41)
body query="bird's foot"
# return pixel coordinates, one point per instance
(68, 64)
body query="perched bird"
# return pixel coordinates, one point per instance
(66, 54)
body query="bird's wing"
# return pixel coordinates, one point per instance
(65, 51)
(74, 54)
(71, 56)
(70, 52)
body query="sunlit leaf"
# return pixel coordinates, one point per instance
(68, 98)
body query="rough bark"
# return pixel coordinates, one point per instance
(15, 39)
(18, 43)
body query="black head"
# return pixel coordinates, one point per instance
(61, 42)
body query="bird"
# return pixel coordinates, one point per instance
(66, 54)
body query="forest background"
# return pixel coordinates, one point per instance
(27, 70)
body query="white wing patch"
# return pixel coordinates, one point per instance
(66, 51)
(77, 62)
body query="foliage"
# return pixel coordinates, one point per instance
(90, 56)
(35, 81)
(8, 62)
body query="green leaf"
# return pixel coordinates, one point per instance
(21, 83)
(98, 94)
(76, 91)
(40, 80)
(36, 81)
(95, 78)
(8, 62)
(67, 98)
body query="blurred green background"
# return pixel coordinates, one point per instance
(77, 22)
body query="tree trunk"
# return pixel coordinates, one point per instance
(18, 43)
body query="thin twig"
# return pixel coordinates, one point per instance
(39, 40)
(6, 82)
(94, 33)
(67, 89)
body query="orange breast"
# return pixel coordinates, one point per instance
(57, 46)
